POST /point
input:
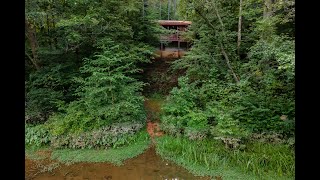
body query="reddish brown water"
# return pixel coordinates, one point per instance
(147, 166)
(153, 107)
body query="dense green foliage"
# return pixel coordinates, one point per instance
(63, 37)
(82, 74)
(108, 95)
(209, 97)
(232, 113)
(162, 9)
(239, 101)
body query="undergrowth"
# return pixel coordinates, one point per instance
(135, 146)
(211, 158)
(115, 135)
(115, 155)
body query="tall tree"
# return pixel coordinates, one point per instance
(266, 85)
(268, 8)
(160, 2)
(239, 27)
(174, 8)
(169, 6)
(31, 35)
(223, 51)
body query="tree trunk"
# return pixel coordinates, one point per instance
(143, 8)
(48, 32)
(160, 10)
(228, 63)
(175, 8)
(33, 61)
(239, 27)
(55, 40)
(221, 45)
(169, 9)
(31, 35)
(218, 15)
(268, 10)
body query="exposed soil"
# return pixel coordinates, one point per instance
(159, 75)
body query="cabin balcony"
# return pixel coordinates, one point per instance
(172, 37)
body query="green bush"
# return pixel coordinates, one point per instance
(46, 89)
(191, 111)
(108, 94)
(37, 135)
(115, 135)
(181, 116)
(259, 112)
(264, 65)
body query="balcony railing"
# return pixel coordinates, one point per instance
(171, 37)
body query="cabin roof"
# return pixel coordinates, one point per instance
(174, 23)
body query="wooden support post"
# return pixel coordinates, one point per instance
(178, 37)
(178, 48)
(161, 50)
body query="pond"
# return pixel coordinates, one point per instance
(147, 166)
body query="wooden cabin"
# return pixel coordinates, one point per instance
(174, 43)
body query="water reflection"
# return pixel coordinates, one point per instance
(147, 166)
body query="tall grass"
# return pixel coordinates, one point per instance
(209, 157)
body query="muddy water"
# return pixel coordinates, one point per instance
(153, 105)
(147, 166)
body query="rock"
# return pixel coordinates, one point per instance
(283, 117)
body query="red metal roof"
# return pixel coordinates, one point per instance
(173, 23)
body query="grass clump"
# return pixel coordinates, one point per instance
(114, 155)
(211, 158)
(32, 152)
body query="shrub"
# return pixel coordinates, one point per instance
(37, 135)
(108, 94)
(46, 88)
(115, 135)
(181, 116)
